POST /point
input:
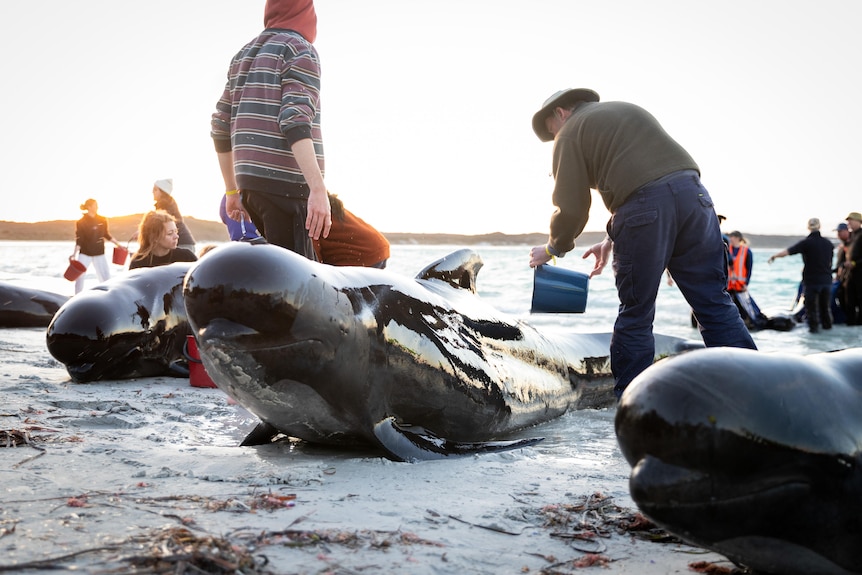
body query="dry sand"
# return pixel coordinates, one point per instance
(145, 476)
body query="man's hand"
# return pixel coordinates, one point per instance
(319, 219)
(234, 209)
(539, 255)
(602, 251)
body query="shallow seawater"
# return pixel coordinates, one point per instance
(505, 281)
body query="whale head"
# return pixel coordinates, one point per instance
(132, 325)
(753, 455)
(278, 332)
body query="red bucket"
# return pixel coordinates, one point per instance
(75, 270)
(198, 376)
(120, 255)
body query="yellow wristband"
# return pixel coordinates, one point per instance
(548, 251)
(231, 192)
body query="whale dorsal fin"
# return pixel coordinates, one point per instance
(458, 269)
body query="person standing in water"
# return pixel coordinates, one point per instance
(91, 231)
(816, 275)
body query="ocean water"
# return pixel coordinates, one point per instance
(505, 281)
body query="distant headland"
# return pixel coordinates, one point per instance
(123, 228)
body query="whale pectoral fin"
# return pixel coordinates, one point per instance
(262, 434)
(417, 444)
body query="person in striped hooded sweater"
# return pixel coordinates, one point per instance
(266, 131)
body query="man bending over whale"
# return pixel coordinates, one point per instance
(662, 218)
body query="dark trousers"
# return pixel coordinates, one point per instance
(818, 306)
(670, 224)
(280, 220)
(853, 298)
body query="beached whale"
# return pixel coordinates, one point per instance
(420, 367)
(132, 325)
(26, 307)
(755, 456)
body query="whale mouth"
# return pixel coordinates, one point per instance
(85, 372)
(239, 336)
(657, 486)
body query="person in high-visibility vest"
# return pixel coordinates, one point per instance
(740, 262)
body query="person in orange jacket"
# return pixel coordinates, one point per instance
(351, 241)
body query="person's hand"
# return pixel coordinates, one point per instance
(602, 252)
(233, 207)
(319, 219)
(771, 259)
(539, 255)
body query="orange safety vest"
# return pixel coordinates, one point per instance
(737, 272)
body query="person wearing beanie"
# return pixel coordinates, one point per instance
(662, 219)
(163, 191)
(816, 275)
(267, 133)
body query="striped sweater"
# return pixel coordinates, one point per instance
(271, 100)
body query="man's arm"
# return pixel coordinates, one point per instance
(319, 218)
(780, 254)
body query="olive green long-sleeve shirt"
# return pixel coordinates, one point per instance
(614, 148)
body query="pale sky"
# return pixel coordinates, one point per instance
(427, 103)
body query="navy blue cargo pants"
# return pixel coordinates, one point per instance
(669, 224)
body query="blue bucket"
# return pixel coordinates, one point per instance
(558, 290)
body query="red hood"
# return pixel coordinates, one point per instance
(297, 15)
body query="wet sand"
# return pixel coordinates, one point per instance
(106, 477)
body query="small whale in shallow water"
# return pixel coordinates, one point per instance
(422, 368)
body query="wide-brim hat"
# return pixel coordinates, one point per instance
(854, 216)
(562, 98)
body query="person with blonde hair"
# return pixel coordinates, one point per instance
(158, 236)
(91, 231)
